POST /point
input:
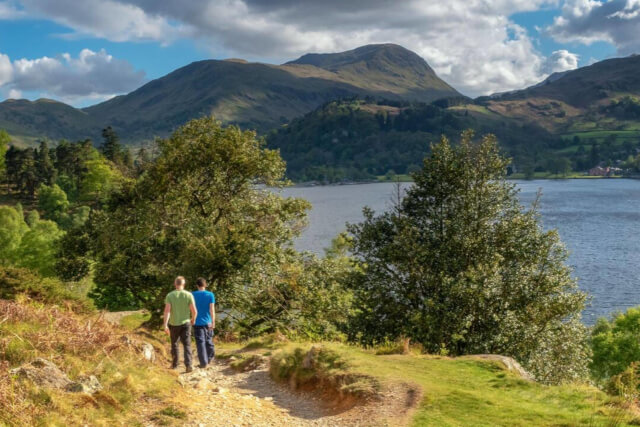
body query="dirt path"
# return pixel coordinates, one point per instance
(223, 397)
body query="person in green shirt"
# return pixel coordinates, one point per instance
(179, 315)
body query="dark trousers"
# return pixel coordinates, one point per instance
(204, 344)
(181, 334)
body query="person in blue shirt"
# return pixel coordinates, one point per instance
(205, 322)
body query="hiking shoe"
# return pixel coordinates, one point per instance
(174, 366)
(189, 369)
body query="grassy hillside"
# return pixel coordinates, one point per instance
(252, 95)
(466, 391)
(592, 102)
(26, 121)
(360, 140)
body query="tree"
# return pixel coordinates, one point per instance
(45, 169)
(52, 200)
(12, 228)
(111, 147)
(199, 210)
(460, 266)
(30, 244)
(5, 139)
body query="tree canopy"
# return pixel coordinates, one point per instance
(460, 267)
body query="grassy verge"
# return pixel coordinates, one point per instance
(457, 392)
(80, 344)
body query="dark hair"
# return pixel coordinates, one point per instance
(201, 282)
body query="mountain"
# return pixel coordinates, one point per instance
(252, 95)
(27, 121)
(573, 102)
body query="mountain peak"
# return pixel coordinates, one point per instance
(371, 54)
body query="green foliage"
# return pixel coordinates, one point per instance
(458, 264)
(626, 384)
(198, 210)
(22, 281)
(52, 200)
(615, 344)
(100, 179)
(5, 139)
(31, 244)
(324, 369)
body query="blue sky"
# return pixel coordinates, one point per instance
(85, 52)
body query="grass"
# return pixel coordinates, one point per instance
(80, 344)
(461, 392)
(135, 321)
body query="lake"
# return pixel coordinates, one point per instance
(598, 220)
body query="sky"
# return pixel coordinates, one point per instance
(86, 51)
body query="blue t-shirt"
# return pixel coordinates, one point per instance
(203, 299)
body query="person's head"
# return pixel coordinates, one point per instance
(201, 283)
(179, 282)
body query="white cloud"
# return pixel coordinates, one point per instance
(14, 94)
(471, 43)
(589, 21)
(91, 75)
(561, 60)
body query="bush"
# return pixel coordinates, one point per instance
(626, 384)
(20, 281)
(323, 370)
(615, 344)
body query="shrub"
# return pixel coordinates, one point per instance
(615, 344)
(323, 370)
(626, 384)
(21, 281)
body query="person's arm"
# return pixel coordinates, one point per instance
(212, 311)
(167, 313)
(194, 312)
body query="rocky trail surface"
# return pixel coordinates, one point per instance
(223, 397)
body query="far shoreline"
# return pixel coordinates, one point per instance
(405, 179)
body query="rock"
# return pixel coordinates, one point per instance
(310, 359)
(511, 364)
(148, 352)
(219, 390)
(87, 385)
(43, 373)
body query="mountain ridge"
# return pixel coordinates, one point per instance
(252, 95)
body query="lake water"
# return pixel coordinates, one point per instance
(599, 221)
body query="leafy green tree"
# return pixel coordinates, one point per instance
(52, 200)
(31, 244)
(615, 344)
(459, 265)
(12, 228)
(38, 246)
(200, 209)
(5, 139)
(99, 180)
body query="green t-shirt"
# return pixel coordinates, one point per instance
(180, 312)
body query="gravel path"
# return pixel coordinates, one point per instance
(223, 397)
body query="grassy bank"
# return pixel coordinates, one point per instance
(456, 392)
(135, 391)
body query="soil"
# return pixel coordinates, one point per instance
(222, 396)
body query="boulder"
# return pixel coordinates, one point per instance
(87, 385)
(43, 373)
(148, 352)
(309, 360)
(509, 363)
